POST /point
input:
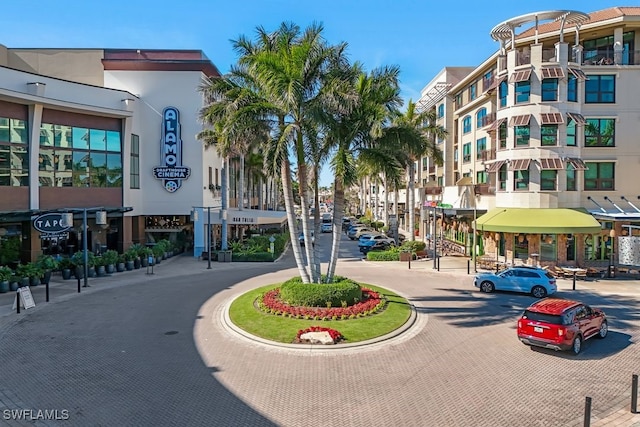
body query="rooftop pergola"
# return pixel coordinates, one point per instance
(433, 95)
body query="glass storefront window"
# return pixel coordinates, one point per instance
(98, 140)
(521, 247)
(81, 138)
(548, 247)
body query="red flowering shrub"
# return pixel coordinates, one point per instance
(335, 335)
(372, 302)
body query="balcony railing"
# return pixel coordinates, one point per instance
(609, 57)
(484, 189)
(488, 119)
(432, 169)
(523, 57)
(434, 191)
(487, 155)
(549, 55)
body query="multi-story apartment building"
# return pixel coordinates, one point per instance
(115, 129)
(543, 139)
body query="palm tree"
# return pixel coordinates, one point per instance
(416, 134)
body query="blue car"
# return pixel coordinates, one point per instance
(530, 280)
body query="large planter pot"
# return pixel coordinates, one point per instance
(34, 281)
(144, 261)
(136, 263)
(66, 273)
(110, 268)
(129, 265)
(79, 273)
(120, 267)
(25, 281)
(13, 286)
(4, 286)
(101, 271)
(47, 277)
(92, 272)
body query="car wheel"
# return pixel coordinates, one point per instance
(487, 287)
(539, 292)
(604, 329)
(577, 345)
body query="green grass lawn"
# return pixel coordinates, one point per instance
(246, 316)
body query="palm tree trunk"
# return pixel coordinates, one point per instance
(317, 219)
(260, 193)
(241, 185)
(338, 209)
(386, 201)
(291, 219)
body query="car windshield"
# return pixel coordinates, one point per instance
(544, 317)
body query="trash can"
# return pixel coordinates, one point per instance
(224, 256)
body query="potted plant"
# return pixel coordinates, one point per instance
(144, 254)
(36, 273)
(100, 268)
(5, 276)
(78, 261)
(48, 264)
(120, 264)
(110, 259)
(135, 249)
(66, 267)
(23, 274)
(158, 253)
(129, 257)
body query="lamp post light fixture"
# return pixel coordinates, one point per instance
(101, 219)
(612, 236)
(208, 239)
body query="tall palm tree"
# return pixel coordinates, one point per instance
(416, 133)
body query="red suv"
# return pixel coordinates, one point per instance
(561, 324)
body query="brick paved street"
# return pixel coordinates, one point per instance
(138, 350)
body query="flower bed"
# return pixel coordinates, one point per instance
(335, 335)
(372, 302)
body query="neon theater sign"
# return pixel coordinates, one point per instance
(171, 172)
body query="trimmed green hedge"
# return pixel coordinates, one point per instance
(252, 257)
(341, 292)
(413, 246)
(383, 256)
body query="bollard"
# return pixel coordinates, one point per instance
(18, 301)
(634, 394)
(46, 287)
(468, 266)
(574, 280)
(438, 263)
(78, 283)
(587, 412)
(410, 256)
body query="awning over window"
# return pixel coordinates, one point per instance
(551, 164)
(538, 221)
(552, 73)
(520, 120)
(495, 166)
(495, 125)
(578, 74)
(520, 76)
(495, 83)
(551, 118)
(519, 164)
(577, 164)
(578, 118)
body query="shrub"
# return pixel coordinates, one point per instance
(294, 292)
(252, 257)
(6, 274)
(110, 257)
(413, 246)
(47, 262)
(390, 255)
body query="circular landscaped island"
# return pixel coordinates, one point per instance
(342, 312)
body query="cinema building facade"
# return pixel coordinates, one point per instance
(93, 130)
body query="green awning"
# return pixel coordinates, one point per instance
(538, 221)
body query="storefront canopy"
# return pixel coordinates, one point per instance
(538, 221)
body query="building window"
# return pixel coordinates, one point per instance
(440, 181)
(548, 247)
(481, 177)
(466, 124)
(571, 178)
(599, 176)
(458, 100)
(599, 133)
(600, 51)
(466, 152)
(550, 89)
(600, 90)
(521, 180)
(523, 91)
(502, 135)
(572, 88)
(571, 133)
(548, 180)
(79, 157)
(14, 153)
(481, 145)
(425, 163)
(134, 175)
(549, 135)
(473, 91)
(523, 134)
(503, 92)
(481, 117)
(455, 155)
(502, 177)
(440, 111)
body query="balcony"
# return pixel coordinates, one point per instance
(433, 191)
(487, 120)
(487, 155)
(432, 170)
(610, 57)
(484, 190)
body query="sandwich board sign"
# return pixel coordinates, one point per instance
(26, 298)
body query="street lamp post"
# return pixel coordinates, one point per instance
(208, 239)
(85, 249)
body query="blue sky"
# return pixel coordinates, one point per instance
(418, 36)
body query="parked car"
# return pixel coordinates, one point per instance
(351, 233)
(531, 280)
(561, 324)
(401, 237)
(363, 230)
(326, 227)
(366, 236)
(377, 245)
(301, 238)
(372, 239)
